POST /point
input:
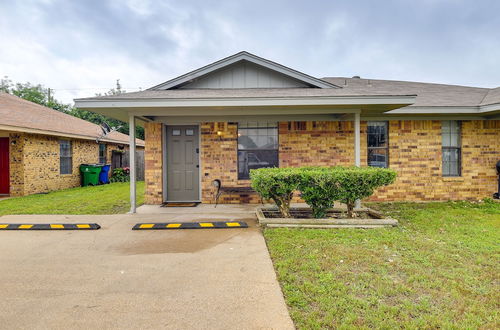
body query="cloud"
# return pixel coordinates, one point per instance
(81, 47)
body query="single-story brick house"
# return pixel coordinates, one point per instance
(41, 149)
(245, 112)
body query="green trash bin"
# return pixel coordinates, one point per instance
(90, 174)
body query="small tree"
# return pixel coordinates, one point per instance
(355, 183)
(276, 184)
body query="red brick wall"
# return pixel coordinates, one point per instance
(414, 152)
(219, 160)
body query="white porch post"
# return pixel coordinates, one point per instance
(131, 134)
(357, 145)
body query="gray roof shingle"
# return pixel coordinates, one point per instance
(492, 97)
(23, 114)
(428, 94)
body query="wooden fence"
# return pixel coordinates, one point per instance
(122, 159)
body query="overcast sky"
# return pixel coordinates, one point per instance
(81, 47)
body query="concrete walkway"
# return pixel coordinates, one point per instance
(116, 278)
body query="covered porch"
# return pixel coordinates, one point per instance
(188, 152)
(242, 112)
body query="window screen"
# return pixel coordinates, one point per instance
(378, 144)
(257, 147)
(451, 147)
(65, 157)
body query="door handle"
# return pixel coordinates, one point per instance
(197, 166)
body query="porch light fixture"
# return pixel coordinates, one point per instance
(219, 134)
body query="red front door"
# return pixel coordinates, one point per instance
(4, 166)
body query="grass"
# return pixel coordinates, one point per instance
(439, 269)
(105, 199)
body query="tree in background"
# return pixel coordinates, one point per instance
(44, 96)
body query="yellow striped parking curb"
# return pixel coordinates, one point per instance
(49, 226)
(190, 225)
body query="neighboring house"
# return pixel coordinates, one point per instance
(245, 112)
(41, 149)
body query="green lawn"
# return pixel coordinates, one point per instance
(439, 269)
(106, 199)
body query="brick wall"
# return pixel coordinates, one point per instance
(154, 163)
(414, 152)
(16, 164)
(320, 143)
(219, 160)
(35, 165)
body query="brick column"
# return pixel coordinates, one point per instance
(153, 156)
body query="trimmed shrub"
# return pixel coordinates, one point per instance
(276, 184)
(360, 182)
(319, 189)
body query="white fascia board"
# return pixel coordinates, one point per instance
(434, 110)
(244, 102)
(489, 107)
(239, 57)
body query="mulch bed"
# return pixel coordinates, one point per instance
(305, 213)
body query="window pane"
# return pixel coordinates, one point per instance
(257, 125)
(377, 134)
(257, 147)
(189, 132)
(450, 130)
(378, 145)
(254, 159)
(451, 162)
(65, 165)
(445, 126)
(65, 160)
(176, 132)
(454, 140)
(102, 153)
(258, 138)
(377, 157)
(65, 148)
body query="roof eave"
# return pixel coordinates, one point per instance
(473, 110)
(19, 129)
(88, 104)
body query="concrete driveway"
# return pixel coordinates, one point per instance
(118, 278)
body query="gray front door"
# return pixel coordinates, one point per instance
(182, 164)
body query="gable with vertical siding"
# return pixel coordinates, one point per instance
(244, 74)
